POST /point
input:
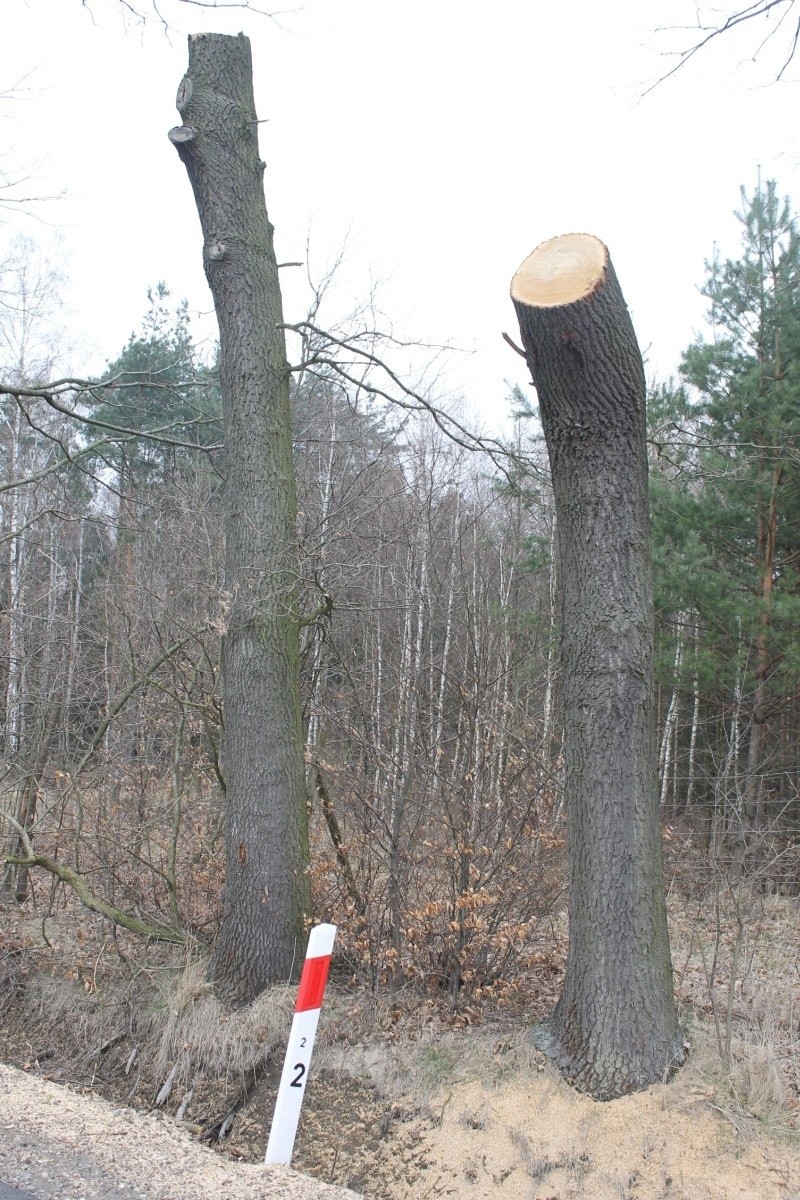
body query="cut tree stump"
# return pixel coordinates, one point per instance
(615, 1028)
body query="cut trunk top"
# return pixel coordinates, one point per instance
(560, 271)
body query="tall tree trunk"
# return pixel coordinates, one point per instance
(615, 1027)
(549, 694)
(16, 549)
(74, 641)
(691, 769)
(267, 899)
(767, 539)
(669, 739)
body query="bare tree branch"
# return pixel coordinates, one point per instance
(711, 32)
(320, 346)
(138, 682)
(141, 14)
(54, 394)
(157, 933)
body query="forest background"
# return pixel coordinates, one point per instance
(431, 688)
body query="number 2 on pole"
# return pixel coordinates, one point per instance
(301, 1043)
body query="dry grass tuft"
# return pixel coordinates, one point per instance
(165, 1018)
(190, 1028)
(737, 963)
(756, 1081)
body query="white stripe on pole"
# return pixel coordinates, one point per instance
(291, 1088)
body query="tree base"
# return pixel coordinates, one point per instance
(617, 1076)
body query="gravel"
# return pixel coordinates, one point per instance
(61, 1145)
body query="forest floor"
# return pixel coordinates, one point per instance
(405, 1102)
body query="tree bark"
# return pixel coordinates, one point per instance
(615, 1028)
(759, 725)
(267, 901)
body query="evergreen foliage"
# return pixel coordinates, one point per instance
(162, 391)
(726, 513)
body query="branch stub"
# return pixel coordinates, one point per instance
(180, 134)
(184, 94)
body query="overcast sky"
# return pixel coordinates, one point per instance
(440, 139)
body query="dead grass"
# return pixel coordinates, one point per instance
(189, 1028)
(737, 958)
(159, 1013)
(539, 1166)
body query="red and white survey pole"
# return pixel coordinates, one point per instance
(291, 1088)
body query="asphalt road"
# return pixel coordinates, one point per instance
(9, 1193)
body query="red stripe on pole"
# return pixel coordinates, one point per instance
(312, 983)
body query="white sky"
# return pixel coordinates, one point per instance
(443, 139)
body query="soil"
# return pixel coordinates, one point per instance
(401, 1104)
(512, 1130)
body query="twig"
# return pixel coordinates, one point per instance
(517, 349)
(166, 1087)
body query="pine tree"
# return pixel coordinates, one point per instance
(727, 517)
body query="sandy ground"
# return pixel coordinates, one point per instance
(413, 1109)
(545, 1142)
(515, 1133)
(63, 1146)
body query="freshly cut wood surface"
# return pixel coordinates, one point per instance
(560, 271)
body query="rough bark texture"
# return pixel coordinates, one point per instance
(262, 935)
(767, 539)
(615, 1028)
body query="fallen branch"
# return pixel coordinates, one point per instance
(156, 933)
(338, 842)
